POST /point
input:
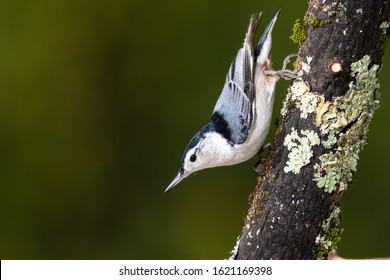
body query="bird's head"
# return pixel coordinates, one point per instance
(206, 149)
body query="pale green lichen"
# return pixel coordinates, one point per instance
(347, 118)
(331, 140)
(337, 172)
(305, 67)
(336, 8)
(333, 8)
(343, 121)
(384, 26)
(300, 149)
(331, 234)
(299, 94)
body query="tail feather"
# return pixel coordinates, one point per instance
(242, 68)
(248, 50)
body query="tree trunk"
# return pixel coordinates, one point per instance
(294, 211)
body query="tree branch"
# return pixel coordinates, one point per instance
(294, 211)
(332, 255)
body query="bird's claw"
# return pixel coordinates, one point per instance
(284, 73)
(261, 158)
(286, 61)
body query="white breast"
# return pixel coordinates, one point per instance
(216, 151)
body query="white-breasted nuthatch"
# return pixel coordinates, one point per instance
(242, 116)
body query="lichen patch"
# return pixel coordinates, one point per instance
(300, 149)
(300, 95)
(345, 121)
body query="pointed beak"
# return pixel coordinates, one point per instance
(180, 176)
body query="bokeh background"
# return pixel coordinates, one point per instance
(98, 99)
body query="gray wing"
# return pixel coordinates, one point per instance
(233, 113)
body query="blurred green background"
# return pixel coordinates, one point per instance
(98, 100)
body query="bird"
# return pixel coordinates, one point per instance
(242, 115)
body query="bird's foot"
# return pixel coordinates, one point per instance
(286, 61)
(284, 73)
(262, 159)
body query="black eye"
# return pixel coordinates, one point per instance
(193, 158)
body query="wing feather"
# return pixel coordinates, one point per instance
(233, 113)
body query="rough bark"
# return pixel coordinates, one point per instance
(294, 210)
